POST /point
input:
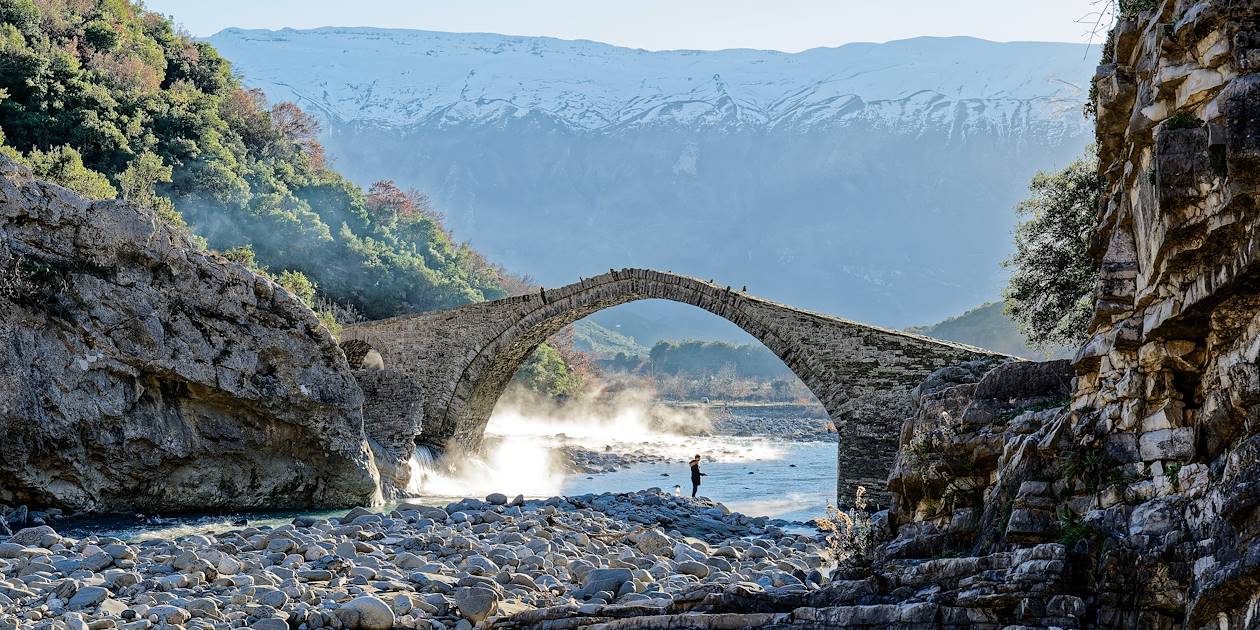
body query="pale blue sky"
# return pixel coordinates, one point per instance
(789, 25)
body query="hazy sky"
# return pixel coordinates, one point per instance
(789, 25)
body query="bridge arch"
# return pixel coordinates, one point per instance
(486, 376)
(463, 358)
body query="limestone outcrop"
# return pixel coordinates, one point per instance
(1169, 382)
(141, 374)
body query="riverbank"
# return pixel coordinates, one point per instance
(415, 566)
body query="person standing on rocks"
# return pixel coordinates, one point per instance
(695, 475)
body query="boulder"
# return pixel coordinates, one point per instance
(42, 535)
(655, 542)
(88, 596)
(150, 375)
(273, 598)
(692, 567)
(481, 565)
(1027, 379)
(168, 614)
(476, 603)
(602, 579)
(366, 613)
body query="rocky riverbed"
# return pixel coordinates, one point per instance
(413, 567)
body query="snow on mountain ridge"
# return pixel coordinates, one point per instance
(405, 78)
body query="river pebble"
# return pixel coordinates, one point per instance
(415, 566)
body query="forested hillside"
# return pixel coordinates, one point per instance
(109, 99)
(989, 327)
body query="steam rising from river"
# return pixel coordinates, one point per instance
(527, 434)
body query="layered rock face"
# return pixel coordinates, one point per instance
(1168, 382)
(976, 436)
(142, 374)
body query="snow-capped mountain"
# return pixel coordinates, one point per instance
(405, 78)
(870, 180)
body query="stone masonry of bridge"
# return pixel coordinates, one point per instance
(461, 359)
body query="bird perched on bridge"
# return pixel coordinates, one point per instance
(744, 290)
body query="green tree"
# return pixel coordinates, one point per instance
(101, 35)
(546, 372)
(244, 255)
(21, 13)
(1050, 291)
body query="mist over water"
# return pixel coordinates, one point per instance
(526, 439)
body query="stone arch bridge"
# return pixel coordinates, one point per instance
(444, 370)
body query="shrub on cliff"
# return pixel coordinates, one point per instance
(107, 98)
(65, 166)
(1050, 292)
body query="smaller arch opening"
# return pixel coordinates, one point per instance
(361, 355)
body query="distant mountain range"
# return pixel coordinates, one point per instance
(872, 181)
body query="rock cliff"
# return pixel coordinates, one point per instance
(140, 373)
(1168, 382)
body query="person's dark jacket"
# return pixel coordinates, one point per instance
(695, 473)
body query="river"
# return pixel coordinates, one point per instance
(757, 472)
